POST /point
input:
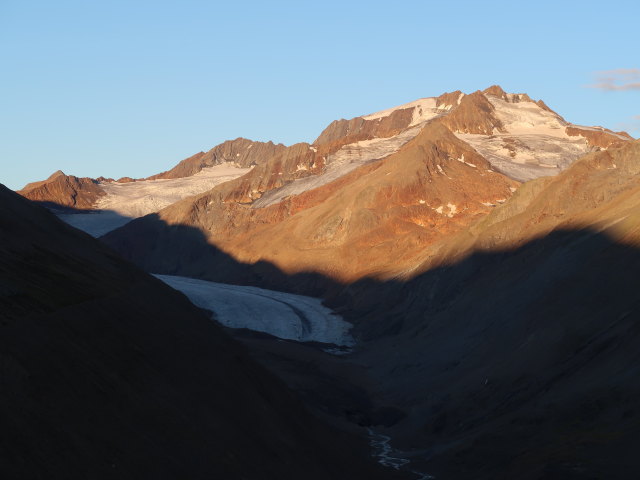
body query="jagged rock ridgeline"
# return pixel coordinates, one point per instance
(242, 152)
(479, 113)
(482, 114)
(367, 196)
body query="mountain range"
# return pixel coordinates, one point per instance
(484, 249)
(363, 200)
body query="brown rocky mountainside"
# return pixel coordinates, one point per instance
(240, 151)
(598, 191)
(519, 137)
(304, 211)
(372, 221)
(64, 190)
(514, 353)
(108, 373)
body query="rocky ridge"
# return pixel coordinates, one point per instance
(367, 196)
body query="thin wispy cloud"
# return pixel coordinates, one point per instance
(616, 80)
(631, 126)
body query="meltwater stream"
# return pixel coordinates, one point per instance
(391, 458)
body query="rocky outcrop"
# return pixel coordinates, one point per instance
(496, 91)
(474, 114)
(290, 163)
(126, 180)
(449, 99)
(599, 137)
(64, 190)
(242, 152)
(349, 131)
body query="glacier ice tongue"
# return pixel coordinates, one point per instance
(283, 315)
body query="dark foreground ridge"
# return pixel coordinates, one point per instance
(105, 372)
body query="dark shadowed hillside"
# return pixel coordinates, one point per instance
(105, 372)
(515, 364)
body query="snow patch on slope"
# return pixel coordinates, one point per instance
(338, 164)
(283, 315)
(525, 157)
(125, 201)
(136, 199)
(424, 109)
(536, 143)
(526, 118)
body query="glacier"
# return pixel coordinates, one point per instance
(283, 315)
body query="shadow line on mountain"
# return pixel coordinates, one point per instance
(517, 354)
(161, 248)
(524, 361)
(498, 283)
(95, 222)
(158, 247)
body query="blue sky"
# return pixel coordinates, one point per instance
(131, 87)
